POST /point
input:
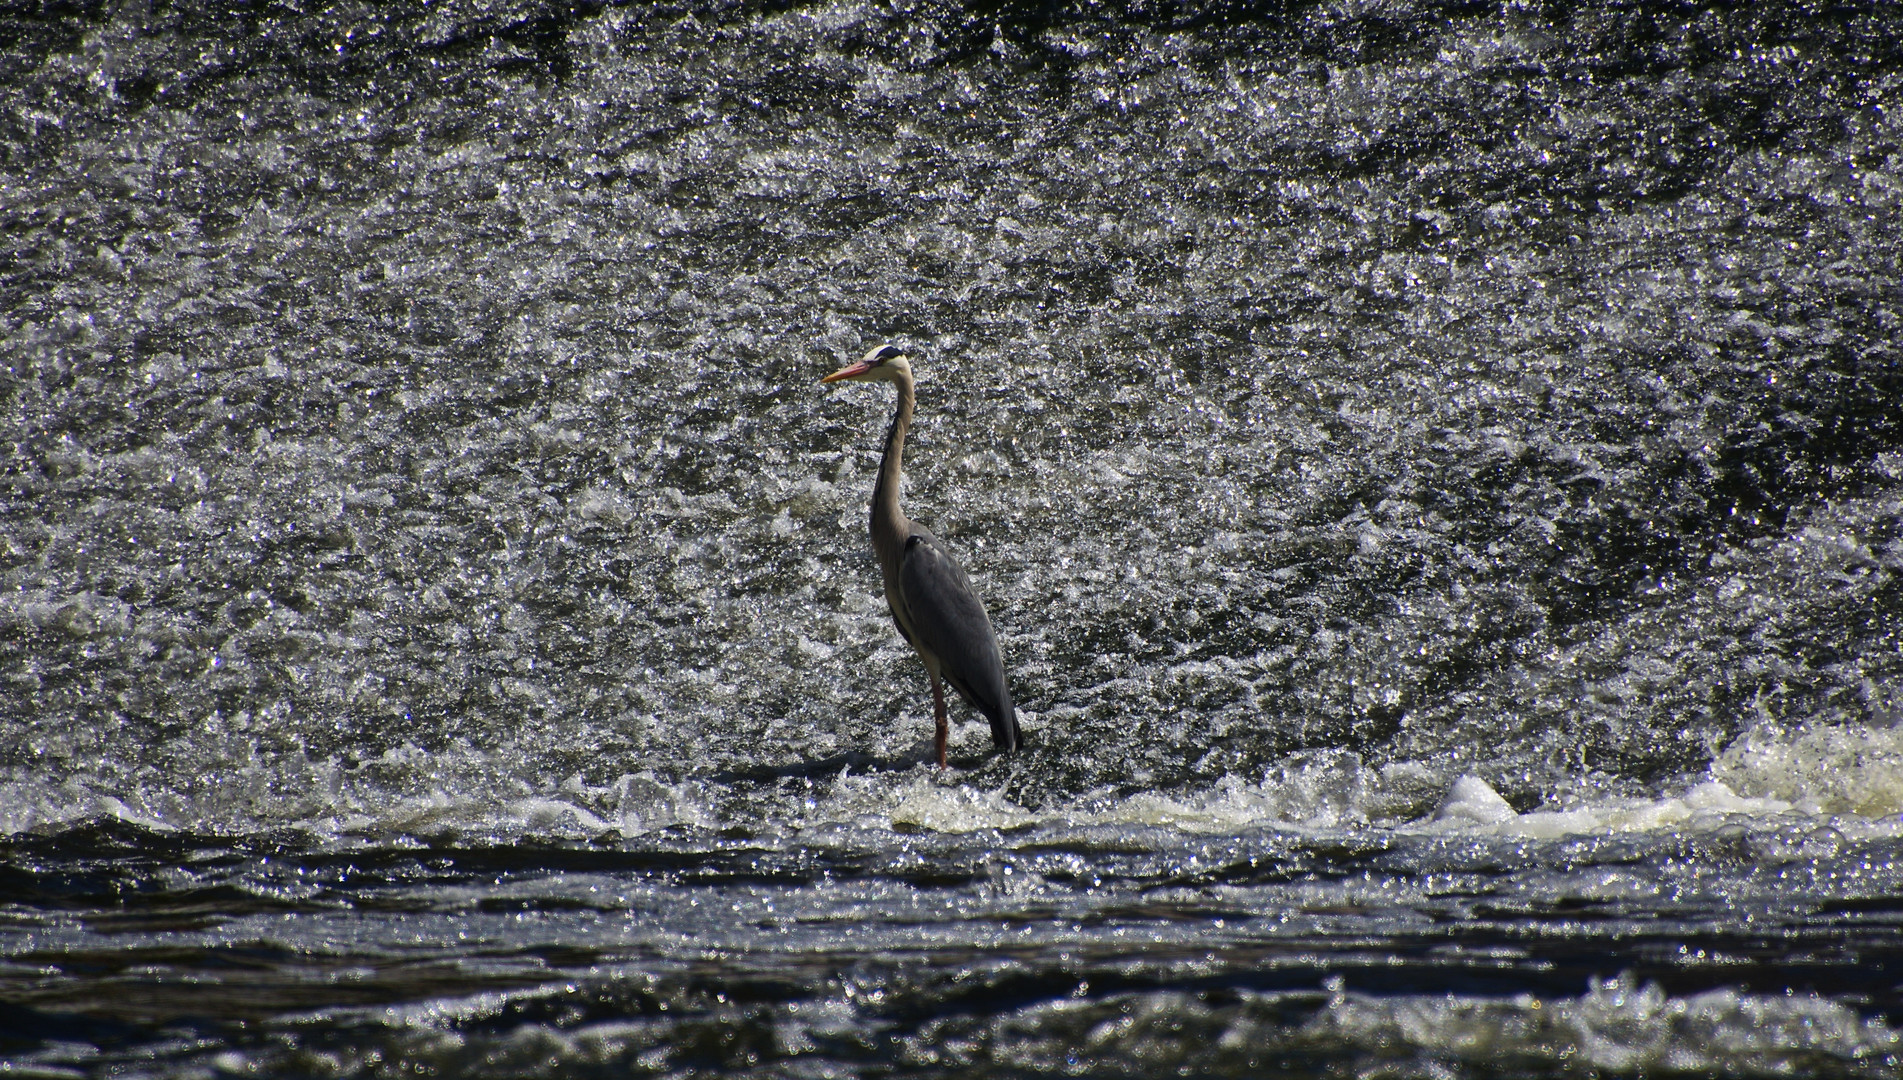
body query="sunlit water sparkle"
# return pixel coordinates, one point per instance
(1437, 473)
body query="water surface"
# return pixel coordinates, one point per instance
(1437, 472)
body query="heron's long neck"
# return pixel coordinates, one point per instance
(888, 523)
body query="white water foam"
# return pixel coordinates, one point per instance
(1827, 769)
(1849, 780)
(1851, 777)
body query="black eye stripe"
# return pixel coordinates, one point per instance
(887, 353)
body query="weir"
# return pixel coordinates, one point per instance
(1436, 474)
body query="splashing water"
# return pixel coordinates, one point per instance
(1437, 475)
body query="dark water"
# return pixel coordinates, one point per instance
(1437, 472)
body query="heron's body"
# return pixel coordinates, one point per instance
(932, 600)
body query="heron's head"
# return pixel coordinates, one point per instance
(881, 363)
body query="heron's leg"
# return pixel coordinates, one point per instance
(938, 714)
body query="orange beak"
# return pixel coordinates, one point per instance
(849, 371)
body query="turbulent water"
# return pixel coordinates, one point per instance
(1436, 471)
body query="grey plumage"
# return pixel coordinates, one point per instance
(950, 623)
(931, 599)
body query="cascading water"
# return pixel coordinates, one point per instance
(1436, 471)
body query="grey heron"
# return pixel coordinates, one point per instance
(931, 598)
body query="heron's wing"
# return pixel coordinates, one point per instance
(950, 623)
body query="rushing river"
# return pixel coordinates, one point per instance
(1436, 471)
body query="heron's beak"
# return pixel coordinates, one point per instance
(850, 371)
